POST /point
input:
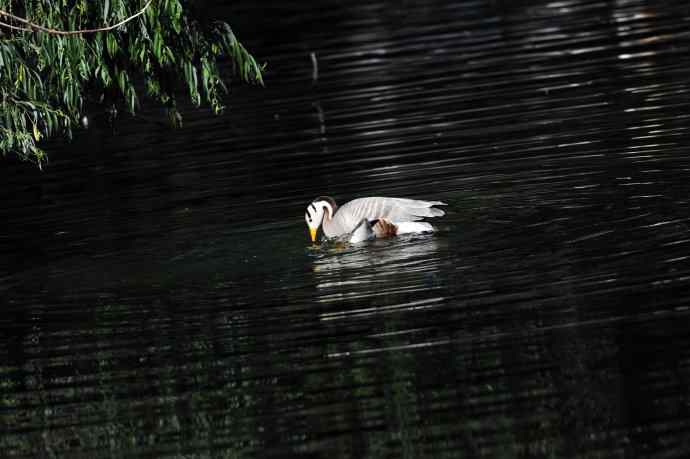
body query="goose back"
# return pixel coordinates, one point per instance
(395, 210)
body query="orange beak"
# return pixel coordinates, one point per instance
(312, 231)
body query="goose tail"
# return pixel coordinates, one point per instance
(414, 227)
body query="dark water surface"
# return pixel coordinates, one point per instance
(159, 296)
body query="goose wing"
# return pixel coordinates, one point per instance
(395, 210)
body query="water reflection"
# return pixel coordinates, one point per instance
(375, 267)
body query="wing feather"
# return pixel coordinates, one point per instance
(396, 210)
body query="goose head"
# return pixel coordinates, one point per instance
(320, 209)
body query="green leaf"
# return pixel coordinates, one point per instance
(37, 133)
(111, 44)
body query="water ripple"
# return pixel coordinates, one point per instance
(160, 296)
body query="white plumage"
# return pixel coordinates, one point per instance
(371, 217)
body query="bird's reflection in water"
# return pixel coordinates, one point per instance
(379, 276)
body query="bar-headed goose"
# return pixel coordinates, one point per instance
(367, 218)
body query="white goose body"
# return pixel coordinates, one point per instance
(390, 216)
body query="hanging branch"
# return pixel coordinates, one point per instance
(11, 27)
(33, 26)
(39, 100)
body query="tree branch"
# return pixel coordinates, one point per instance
(11, 27)
(34, 27)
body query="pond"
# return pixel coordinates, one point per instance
(161, 298)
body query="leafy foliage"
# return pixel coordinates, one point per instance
(47, 79)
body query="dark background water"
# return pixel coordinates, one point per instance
(160, 298)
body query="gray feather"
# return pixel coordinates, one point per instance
(395, 210)
(362, 232)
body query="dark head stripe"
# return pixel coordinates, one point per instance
(328, 200)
